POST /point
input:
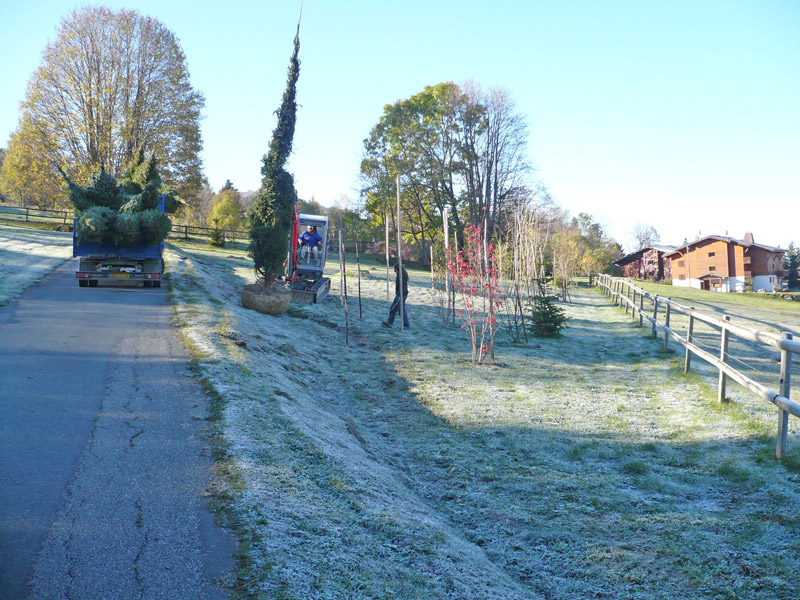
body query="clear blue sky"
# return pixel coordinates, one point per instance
(680, 114)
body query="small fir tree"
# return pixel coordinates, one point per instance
(271, 211)
(547, 318)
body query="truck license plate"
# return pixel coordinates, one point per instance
(119, 275)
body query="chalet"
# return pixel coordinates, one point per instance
(647, 263)
(724, 264)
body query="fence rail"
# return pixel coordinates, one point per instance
(632, 297)
(35, 215)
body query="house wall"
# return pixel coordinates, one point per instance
(700, 260)
(765, 282)
(711, 256)
(650, 265)
(728, 259)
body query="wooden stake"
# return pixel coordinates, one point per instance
(400, 257)
(386, 222)
(344, 287)
(358, 265)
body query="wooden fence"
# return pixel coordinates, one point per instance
(35, 215)
(646, 306)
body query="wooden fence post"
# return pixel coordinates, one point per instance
(785, 390)
(27, 213)
(655, 314)
(688, 359)
(641, 308)
(666, 324)
(627, 298)
(723, 354)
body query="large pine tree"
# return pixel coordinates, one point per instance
(271, 212)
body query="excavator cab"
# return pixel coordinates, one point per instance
(307, 261)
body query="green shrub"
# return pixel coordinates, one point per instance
(102, 190)
(126, 228)
(96, 224)
(154, 226)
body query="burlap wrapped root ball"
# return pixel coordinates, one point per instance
(154, 226)
(96, 224)
(271, 299)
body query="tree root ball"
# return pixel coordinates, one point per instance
(271, 299)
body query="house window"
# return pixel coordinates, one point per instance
(712, 268)
(681, 263)
(710, 254)
(681, 277)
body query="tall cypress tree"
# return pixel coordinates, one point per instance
(271, 212)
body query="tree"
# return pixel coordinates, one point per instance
(644, 235)
(271, 211)
(226, 210)
(112, 84)
(791, 262)
(456, 148)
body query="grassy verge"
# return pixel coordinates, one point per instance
(583, 467)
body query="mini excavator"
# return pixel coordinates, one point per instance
(306, 263)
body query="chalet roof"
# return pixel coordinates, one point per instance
(628, 258)
(727, 240)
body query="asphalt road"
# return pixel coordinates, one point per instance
(102, 463)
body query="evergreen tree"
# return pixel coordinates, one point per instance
(271, 211)
(791, 262)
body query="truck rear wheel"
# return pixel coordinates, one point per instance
(83, 283)
(93, 282)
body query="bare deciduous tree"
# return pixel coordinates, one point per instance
(112, 84)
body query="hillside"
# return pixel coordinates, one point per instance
(585, 467)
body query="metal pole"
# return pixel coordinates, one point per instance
(783, 416)
(400, 257)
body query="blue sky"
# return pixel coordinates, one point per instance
(682, 114)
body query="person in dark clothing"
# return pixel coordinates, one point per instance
(395, 307)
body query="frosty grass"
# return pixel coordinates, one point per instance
(584, 467)
(27, 255)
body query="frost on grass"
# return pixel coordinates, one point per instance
(27, 255)
(576, 468)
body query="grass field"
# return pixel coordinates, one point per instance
(584, 467)
(27, 255)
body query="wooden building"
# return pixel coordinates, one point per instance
(647, 263)
(725, 264)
